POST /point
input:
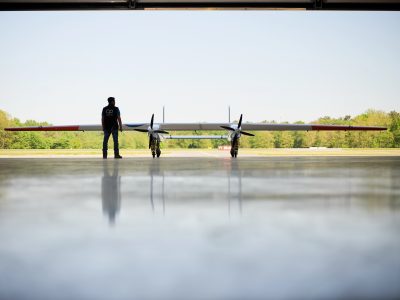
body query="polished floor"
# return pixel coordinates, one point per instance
(200, 228)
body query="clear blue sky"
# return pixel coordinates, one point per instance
(269, 65)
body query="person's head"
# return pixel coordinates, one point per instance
(111, 101)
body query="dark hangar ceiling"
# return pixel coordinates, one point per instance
(15, 5)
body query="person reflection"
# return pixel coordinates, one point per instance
(111, 190)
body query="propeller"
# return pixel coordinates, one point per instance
(246, 133)
(150, 130)
(239, 128)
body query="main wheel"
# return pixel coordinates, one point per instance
(158, 152)
(153, 153)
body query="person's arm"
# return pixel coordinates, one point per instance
(119, 120)
(119, 123)
(102, 119)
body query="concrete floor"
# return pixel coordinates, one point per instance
(200, 228)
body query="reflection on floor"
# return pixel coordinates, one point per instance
(111, 192)
(200, 228)
(111, 189)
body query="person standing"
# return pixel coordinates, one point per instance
(111, 121)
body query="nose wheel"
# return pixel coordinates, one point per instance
(155, 148)
(235, 147)
(234, 153)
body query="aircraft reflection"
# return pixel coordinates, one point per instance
(111, 194)
(111, 191)
(155, 173)
(234, 182)
(234, 188)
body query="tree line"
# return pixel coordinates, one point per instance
(265, 139)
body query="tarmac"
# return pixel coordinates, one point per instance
(200, 228)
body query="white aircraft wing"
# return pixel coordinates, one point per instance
(203, 126)
(262, 127)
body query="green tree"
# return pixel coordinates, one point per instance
(278, 139)
(5, 137)
(394, 128)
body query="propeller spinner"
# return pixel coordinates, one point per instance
(151, 131)
(238, 129)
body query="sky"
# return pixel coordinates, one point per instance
(61, 67)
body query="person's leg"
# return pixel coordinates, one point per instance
(105, 142)
(116, 146)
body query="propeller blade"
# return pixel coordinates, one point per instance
(150, 140)
(161, 131)
(152, 119)
(240, 121)
(141, 130)
(246, 133)
(227, 128)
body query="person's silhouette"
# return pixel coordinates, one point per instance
(111, 121)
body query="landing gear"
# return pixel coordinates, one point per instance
(235, 147)
(234, 153)
(152, 146)
(155, 147)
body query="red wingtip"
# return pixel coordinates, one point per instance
(44, 128)
(347, 128)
